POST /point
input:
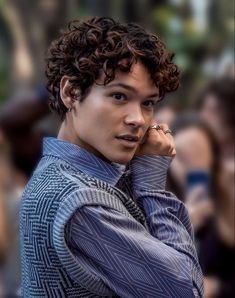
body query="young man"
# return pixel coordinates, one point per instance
(95, 218)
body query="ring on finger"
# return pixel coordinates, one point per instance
(167, 131)
(155, 126)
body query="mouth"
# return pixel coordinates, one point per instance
(129, 141)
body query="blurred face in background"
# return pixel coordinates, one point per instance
(212, 112)
(165, 115)
(193, 153)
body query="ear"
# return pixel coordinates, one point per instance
(67, 93)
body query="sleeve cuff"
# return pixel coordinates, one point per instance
(149, 172)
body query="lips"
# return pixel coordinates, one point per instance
(129, 141)
(129, 138)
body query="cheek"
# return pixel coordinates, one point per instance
(95, 128)
(149, 120)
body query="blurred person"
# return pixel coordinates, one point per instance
(19, 117)
(96, 220)
(4, 181)
(165, 114)
(216, 106)
(9, 223)
(230, 72)
(195, 176)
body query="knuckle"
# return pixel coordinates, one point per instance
(168, 145)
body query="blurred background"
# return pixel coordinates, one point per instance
(200, 114)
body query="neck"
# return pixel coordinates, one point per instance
(66, 133)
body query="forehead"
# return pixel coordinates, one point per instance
(138, 79)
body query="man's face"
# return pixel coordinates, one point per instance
(113, 119)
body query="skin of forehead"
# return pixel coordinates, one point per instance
(135, 81)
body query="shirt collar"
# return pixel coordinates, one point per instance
(83, 160)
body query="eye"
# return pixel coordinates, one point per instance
(150, 104)
(118, 96)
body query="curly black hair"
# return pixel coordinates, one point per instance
(99, 45)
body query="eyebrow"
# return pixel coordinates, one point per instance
(128, 87)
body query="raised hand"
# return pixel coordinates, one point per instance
(158, 141)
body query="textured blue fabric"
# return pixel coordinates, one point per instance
(157, 261)
(55, 191)
(83, 160)
(150, 172)
(85, 232)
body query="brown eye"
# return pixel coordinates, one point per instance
(149, 104)
(119, 96)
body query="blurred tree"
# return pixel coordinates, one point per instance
(6, 46)
(27, 27)
(179, 22)
(97, 8)
(131, 10)
(32, 25)
(137, 11)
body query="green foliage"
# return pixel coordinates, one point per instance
(179, 32)
(3, 85)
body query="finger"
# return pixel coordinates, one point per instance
(162, 130)
(162, 140)
(158, 128)
(165, 144)
(168, 139)
(172, 152)
(166, 130)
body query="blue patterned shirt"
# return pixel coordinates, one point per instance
(156, 260)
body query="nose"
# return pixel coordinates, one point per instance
(134, 116)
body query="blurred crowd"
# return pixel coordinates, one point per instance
(20, 150)
(201, 175)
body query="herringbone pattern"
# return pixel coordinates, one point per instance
(43, 274)
(114, 244)
(42, 271)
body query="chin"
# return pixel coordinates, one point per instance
(124, 159)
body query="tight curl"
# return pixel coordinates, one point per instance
(99, 46)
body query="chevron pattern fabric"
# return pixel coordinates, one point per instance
(69, 213)
(44, 254)
(150, 179)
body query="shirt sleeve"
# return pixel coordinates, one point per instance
(132, 261)
(166, 216)
(149, 171)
